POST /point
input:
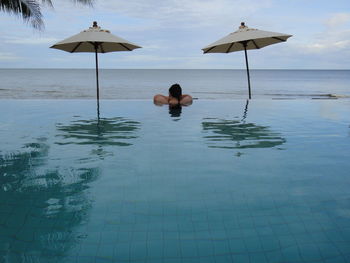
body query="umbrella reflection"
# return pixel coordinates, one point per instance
(237, 134)
(41, 206)
(105, 131)
(245, 135)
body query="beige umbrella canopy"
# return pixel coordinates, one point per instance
(95, 40)
(243, 39)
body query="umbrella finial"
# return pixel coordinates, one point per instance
(94, 24)
(242, 26)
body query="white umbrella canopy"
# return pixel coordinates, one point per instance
(245, 38)
(95, 40)
(88, 40)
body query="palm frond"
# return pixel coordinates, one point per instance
(36, 17)
(84, 2)
(47, 2)
(28, 10)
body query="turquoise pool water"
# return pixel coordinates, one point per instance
(219, 181)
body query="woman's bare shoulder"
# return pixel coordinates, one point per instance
(186, 99)
(160, 99)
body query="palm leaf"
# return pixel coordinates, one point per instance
(47, 2)
(29, 10)
(84, 2)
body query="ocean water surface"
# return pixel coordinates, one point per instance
(219, 181)
(144, 83)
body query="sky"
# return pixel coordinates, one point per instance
(173, 32)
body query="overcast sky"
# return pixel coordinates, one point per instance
(172, 33)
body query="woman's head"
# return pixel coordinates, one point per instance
(175, 91)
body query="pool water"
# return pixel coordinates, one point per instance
(218, 181)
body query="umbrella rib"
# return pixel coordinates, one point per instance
(280, 39)
(124, 46)
(209, 49)
(95, 44)
(255, 44)
(76, 47)
(228, 50)
(102, 49)
(244, 43)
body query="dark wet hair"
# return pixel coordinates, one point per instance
(176, 91)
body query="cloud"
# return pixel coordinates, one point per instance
(331, 39)
(8, 56)
(147, 58)
(335, 40)
(337, 20)
(172, 33)
(30, 40)
(181, 12)
(330, 45)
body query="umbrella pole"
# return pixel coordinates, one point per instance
(246, 62)
(97, 85)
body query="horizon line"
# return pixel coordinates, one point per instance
(2, 68)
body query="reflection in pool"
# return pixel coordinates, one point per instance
(175, 111)
(145, 188)
(105, 131)
(45, 188)
(41, 206)
(234, 134)
(102, 133)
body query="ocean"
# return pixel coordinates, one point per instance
(145, 83)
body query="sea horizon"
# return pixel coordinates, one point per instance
(244, 69)
(66, 83)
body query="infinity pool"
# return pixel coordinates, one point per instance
(219, 181)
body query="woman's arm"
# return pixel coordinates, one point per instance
(186, 100)
(160, 99)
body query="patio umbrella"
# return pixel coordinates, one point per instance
(243, 39)
(95, 40)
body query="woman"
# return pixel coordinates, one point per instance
(175, 97)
